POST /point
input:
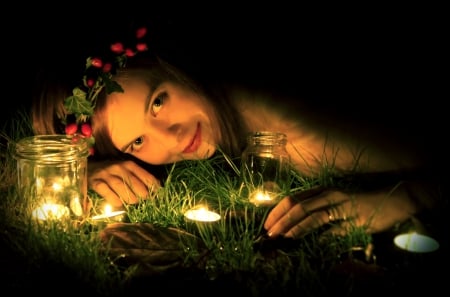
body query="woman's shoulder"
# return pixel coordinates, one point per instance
(255, 97)
(271, 104)
(266, 110)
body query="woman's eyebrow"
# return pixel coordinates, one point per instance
(148, 100)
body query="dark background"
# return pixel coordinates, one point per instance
(377, 67)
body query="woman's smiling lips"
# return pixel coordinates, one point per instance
(195, 142)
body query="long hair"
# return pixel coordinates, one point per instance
(52, 88)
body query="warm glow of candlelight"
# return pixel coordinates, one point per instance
(51, 211)
(260, 198)
(415, 242)
(108, 213)
(57, 187)
(108, 209)
(76, 206)
(202, 214)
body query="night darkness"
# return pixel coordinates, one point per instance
(377, 70)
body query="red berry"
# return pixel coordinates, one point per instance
(90, 82)
(71, 129)
(107, 67)
(96, 62)
(141, 32)
(129, 52)
(86, 129)
(91, 151)
(117, 48)
(141, 47)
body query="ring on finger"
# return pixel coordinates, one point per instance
(331, 217)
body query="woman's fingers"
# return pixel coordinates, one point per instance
(140, 174)
(283, 208)
(122, 182)
(280, 215)
(310, 223)
(103, 189)
(292, 217)
(297, 222)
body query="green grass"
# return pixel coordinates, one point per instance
(233, 250)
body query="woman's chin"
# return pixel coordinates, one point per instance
(203, 153)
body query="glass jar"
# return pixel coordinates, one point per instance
(52, 175)
(265, 166)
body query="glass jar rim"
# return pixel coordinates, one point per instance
(271, 136)
(52, 148)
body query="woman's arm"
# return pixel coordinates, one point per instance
(374, 210)
(389, 182)
(376, 190)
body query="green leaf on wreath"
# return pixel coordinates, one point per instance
(78, 106)
(112, 86)
(79, 93)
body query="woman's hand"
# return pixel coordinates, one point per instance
(121, 182)
(308, 210)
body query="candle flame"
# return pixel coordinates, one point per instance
(109, 213)
(108, 209)
(261, 197)
(57, 187)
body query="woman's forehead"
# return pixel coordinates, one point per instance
(131, 88)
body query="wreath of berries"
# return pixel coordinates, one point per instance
(98, 74)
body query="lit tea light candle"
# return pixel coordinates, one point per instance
(415, 242)
(202, 214)
(51, 211)
(262, 198)
(108, 213)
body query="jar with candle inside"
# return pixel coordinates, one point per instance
(265, 165)
(52, 175)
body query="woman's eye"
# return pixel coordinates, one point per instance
(137, 144)
(158, 103)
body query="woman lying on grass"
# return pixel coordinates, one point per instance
(152, 111)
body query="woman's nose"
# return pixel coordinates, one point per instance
(176, 131)
(170, 136)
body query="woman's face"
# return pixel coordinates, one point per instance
(170, 124)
